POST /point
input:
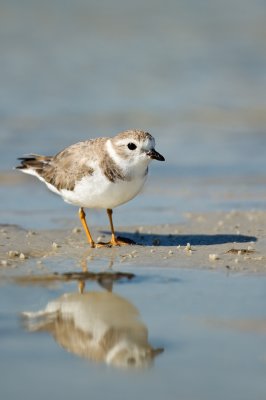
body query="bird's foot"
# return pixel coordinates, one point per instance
(115, 242)
(119, 241)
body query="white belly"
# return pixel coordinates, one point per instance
(98, 192)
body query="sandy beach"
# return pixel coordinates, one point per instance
(233, 241)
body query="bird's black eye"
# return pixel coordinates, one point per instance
(131, 146)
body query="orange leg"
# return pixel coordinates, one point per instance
(114, 240)
(82, 217)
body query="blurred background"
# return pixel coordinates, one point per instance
(192, 73)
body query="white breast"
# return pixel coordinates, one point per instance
(98, 192)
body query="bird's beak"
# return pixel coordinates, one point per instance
(154, 155)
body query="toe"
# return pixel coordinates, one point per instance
(119, 241)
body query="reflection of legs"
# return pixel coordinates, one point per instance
(82, 217)
(81, 286)
(84, 266)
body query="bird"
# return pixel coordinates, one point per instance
(104, 172)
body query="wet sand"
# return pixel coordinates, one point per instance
(233, 241)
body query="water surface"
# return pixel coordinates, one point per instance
(211, 325)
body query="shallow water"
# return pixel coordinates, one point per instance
(211, 325)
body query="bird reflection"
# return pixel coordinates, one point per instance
(98, 325)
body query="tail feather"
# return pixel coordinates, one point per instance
(33, 162)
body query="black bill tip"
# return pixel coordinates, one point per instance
(154, 155)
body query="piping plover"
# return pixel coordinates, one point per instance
(98, 173)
